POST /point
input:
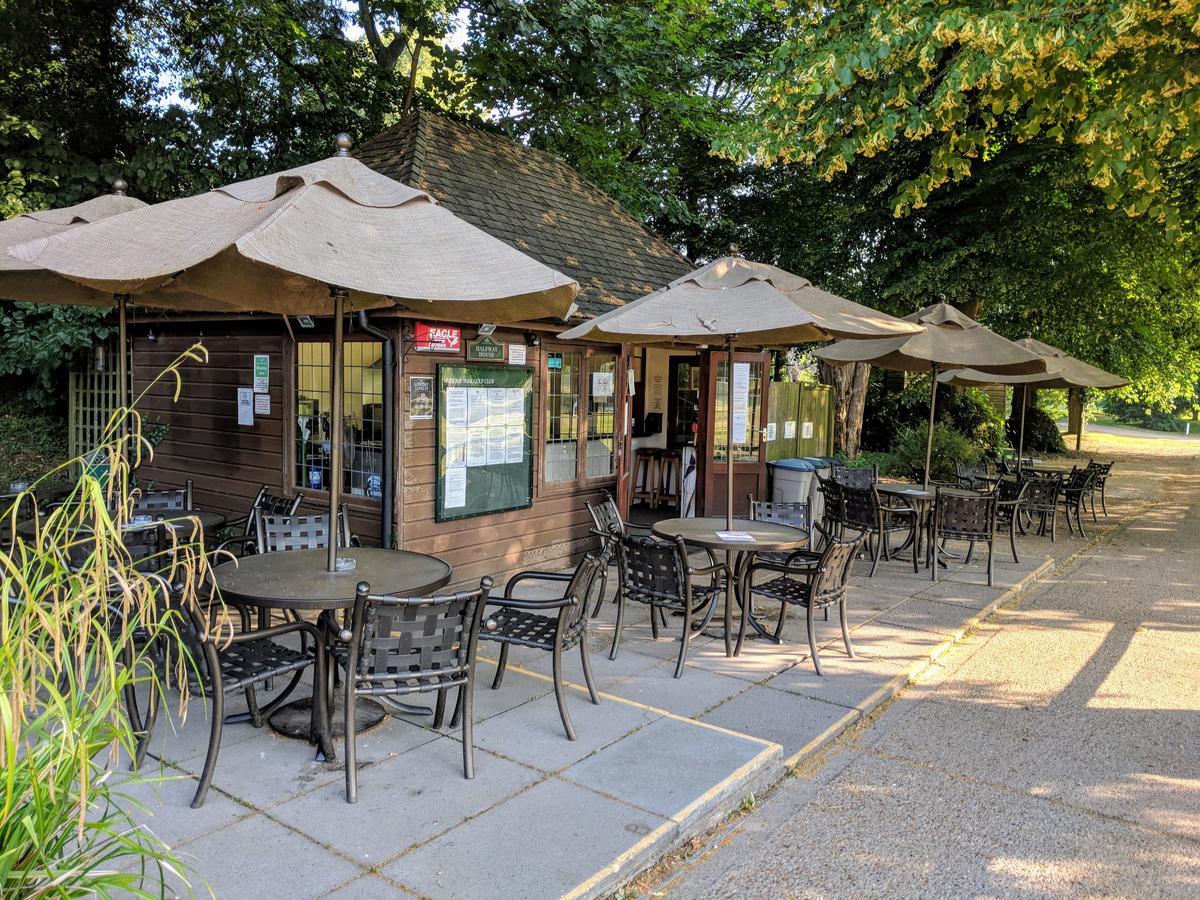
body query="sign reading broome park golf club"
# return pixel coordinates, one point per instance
(484, 452)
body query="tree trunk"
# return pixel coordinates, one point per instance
(850, 397)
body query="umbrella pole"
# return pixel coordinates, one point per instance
(929, 437)
(729, 490)
(122, 365)
(335, 424)
(1021, 431)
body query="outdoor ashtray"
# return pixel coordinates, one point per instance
(345, 564)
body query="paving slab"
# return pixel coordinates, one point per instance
(539, 844)
(696, 691)
(256, 857)
(368, 887)
(785, 718)
(697, 759)
(404, 800)
(164, 795)
(847, 682)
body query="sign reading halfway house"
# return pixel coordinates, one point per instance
(484, 440)
(436, 338)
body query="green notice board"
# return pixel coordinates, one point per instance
(484, 440)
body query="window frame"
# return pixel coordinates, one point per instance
(581, 481)
(291, 435)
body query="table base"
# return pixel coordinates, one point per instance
(295, 719)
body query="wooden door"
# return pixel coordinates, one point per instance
(750, 454)
(623, 430)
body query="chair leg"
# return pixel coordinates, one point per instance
(875, 552)
(146, 726)
(779, 625)
(812, 641)
(214, 746)
(842, 611)
(439, 709)
(653, 621)
(1092, 499)
(560, 694)
(585, 655)
(1012, 539)
(466, 697)
(1103, 505)
(501, 666)
(970, 551)
(458, 708)
(603, 590)
(351, 749)
(990, 563)
(933, 566)
(916, 544)
(256, 718)
(687, 636)
(612, 653)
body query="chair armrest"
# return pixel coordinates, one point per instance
(811, 555)
(517, 603)
(229, 542)
(275, 631)
(710, 570)
(535, 576)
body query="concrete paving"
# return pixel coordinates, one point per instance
(657, 762)
(1052, 752)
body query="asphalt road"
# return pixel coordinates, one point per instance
(1057, 752)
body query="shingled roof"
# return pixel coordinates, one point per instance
(531, 200)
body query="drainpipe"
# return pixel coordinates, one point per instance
(389, 415)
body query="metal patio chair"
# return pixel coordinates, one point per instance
(268, 504)
(657, 574)
(400, 646)
(1074, 496)
(865, 512)
(855, 476)
(963, 517)
(1041, 499)
(1010, 495)
(812, 586)
(554, 625)
(1102, 471)
(610, 528)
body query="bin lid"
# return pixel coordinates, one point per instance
(795, 465)
(822, 462)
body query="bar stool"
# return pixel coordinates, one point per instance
(670, 478)
(645, 473)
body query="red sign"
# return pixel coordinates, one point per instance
(437, 338)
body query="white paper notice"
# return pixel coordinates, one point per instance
(477, 447)
(514, 444)
(456, 407)
(806, 430)
(789, 430)
(741, 401)
(477, 407)
(514, 406)
(602, 383)
(495, 446)
(455, 496)
(497, 397)
(456, 448)
(736, 537)
(262, 404)
(771, 431)
(245, 406)
(516, 354)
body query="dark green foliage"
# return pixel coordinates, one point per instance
(32, 442)
(950, 449)
(888, 412)
(36, 343)
(1041, 433)
(1141, 416)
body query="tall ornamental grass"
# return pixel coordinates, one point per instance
(76, 642)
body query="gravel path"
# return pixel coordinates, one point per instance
(1056, 752)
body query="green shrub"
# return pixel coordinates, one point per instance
(31, 442)
(950, 448)
(1041, 432)
(969, 412)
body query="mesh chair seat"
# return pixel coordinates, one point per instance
(253, 662)
(527, 629)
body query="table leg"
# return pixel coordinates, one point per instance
(729, 604)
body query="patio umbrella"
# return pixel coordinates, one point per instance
(951, 340)
(1062, 371)
(21, 280)
(324, 238)
(741, 302)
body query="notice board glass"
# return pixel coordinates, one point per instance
(484, 440)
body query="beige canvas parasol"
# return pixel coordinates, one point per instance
(1062, 371)
(736, 301)
(319, 239)
(951, 340)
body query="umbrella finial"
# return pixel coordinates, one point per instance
(119, 186)
(735, 250)
(344, 144)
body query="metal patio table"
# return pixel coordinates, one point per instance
(702, 532)
(299, 580)
(920, 499)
